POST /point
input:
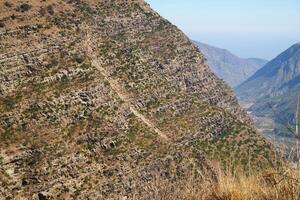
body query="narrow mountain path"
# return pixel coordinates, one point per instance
(125, 97)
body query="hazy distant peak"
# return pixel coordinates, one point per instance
(226, 65)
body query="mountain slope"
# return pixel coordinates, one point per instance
(276, 77)
(232, 69)
(98, 97)
(274, 89)
(280, 109)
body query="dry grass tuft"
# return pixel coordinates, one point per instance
(275, 184)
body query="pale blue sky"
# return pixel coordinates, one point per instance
(248, 28)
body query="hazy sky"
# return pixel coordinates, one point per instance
(248, 28)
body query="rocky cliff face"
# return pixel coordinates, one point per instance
(229, 67)
(97, 97)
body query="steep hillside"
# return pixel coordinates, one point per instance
(274, 89)
(98, 97)
(280, 109)
(232, 69)
(276, 77)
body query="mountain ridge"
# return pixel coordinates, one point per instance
(229, 67)
(274, 76)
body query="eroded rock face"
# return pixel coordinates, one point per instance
(98, 97)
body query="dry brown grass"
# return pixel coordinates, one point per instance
(274, 184)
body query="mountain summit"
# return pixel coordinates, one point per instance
(99, 97)
(231, 68)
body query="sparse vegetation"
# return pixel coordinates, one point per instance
(9, 103)
(2, 24)
(24, 7)
(50, 10)
(8, 4)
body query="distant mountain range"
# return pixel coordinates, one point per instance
(231, 68)
(274, 89)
